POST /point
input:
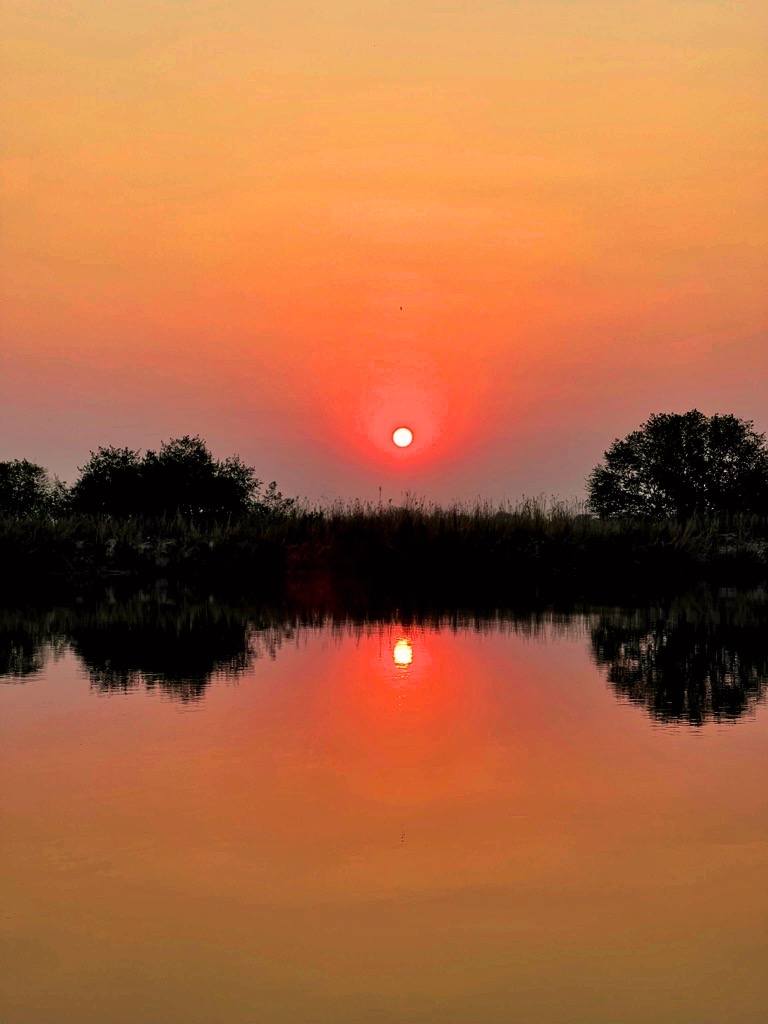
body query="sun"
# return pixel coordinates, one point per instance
(402, 437)
(402, 654)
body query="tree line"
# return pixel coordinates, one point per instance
(675, 465)
(181, 478)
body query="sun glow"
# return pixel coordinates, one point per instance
(402, 437)
(402, 654)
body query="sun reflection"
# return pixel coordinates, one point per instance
(402, 653)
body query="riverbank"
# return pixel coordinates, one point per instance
(417, 548)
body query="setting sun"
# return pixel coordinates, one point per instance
(402, 655)
(402, 437)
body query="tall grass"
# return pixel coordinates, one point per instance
(416, 545)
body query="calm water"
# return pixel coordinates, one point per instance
(220, 815)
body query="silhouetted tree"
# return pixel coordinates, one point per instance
(273, 502)
(683, 465)
(26, 489)
(182, 478)
(111, 483)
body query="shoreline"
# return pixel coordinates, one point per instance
(418, 552)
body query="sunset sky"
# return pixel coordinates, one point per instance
(518, 227)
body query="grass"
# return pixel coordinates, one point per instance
(416, 547)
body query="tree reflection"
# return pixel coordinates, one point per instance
(27, 640)
(22, 654)
(178, 653)
(695, 660)
(177, 648)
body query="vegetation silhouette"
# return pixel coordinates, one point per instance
(178, 514)
(174, 645)
(181, 479)
(691, 660)
(696, 658)
(177, 652)
(26, 489)
(412, 548)
(683, 465)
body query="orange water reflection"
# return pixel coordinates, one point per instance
(402, 653)
(483, 833)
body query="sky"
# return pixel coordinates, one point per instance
(518, 227)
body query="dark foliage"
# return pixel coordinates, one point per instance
(110, 483)
(469, 553)
(683, 465)
(181, 479)
(26, 490)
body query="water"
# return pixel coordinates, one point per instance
(214, 813)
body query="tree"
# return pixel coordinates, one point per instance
(683, 465)
(26, 489)
(184, 478)
(273, 502)
(181, 478)
(110, 483)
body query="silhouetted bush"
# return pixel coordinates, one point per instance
(110, 483)
(683, 465)
(182, 478)
(26, 489)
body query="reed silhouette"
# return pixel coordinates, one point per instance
(412, 547)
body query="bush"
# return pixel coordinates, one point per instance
(26, 489)
(182, 478)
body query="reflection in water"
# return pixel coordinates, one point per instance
(700, 657)
(176, 648)
(25, 647)
(693, 661)
(402, 653)
(179, 652)
(405, 818)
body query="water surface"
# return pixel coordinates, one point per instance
(217, 813)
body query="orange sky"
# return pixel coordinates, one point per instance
(520, 228)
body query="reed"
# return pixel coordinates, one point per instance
(415, 544)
